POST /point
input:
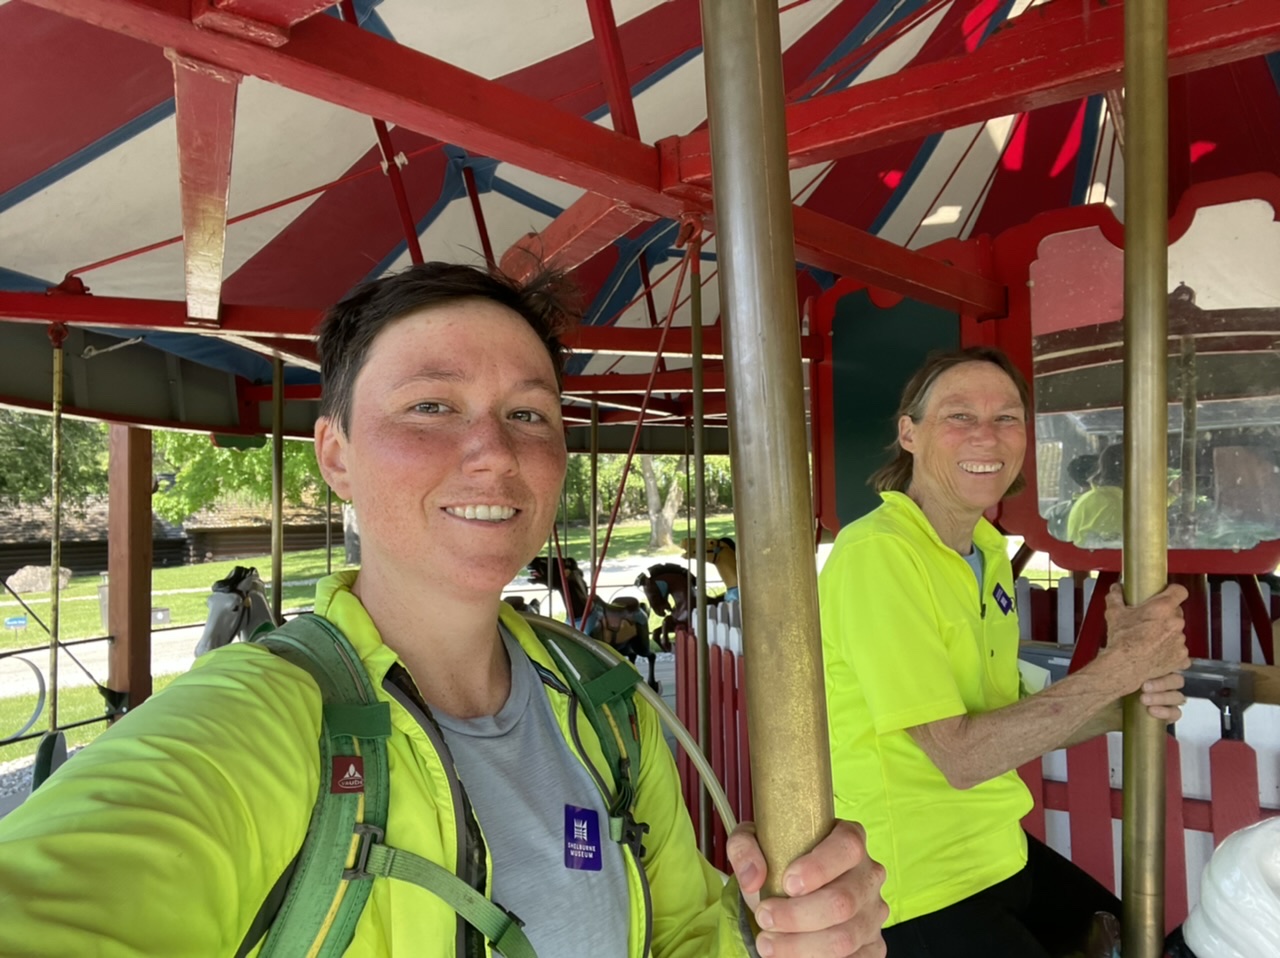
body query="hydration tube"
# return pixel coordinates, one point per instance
(668, 717)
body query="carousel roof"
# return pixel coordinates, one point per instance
(448, 131)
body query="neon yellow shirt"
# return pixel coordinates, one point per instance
(1097, 518)
(907, 641)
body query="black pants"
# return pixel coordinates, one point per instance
(1044, 911)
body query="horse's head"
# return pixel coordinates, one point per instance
(717, 550)
(545, 573)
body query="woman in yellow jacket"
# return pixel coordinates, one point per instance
(173, 834)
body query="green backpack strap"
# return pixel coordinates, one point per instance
(344, 850)
(322, 903)
(606, 694)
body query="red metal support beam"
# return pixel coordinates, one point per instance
(294, 328)
(477, 213)
(358, 70)
(584, 229)
(830, 244)
(282, 13)
(630, 340)
(110, 312)
(676, 381)
(1050, 54)
(259, 21)
(205, 99)
(390, 162)
(636, 401)
(613, 68)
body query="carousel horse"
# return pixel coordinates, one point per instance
(623, 624)
(666, 586)
(723, 554)
(237, 607)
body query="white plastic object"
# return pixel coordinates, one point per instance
(1239, 911)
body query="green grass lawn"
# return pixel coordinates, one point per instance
(80, 617)
(632, 538)
(74, 705)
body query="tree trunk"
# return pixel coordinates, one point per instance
(350, 534)
(662, 515)
(653, 496)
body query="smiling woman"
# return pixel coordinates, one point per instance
(500, 782)
(928, 722)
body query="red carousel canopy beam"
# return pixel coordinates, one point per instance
(358, 70)
(631, 340)
(587, 226)
(205, 100)
(109, 312)
(260, 21)
(678, 380)
(1048, 55)
(614, 68)
(291, 330)
(282, 13)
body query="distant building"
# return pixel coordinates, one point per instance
(25, 538)
(229, 530)
(235, 528)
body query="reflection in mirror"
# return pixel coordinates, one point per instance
(1223, 479)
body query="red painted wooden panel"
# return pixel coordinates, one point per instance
(1175, 840)
(718, 836)
(1233, 778)
(1089, 810)
(728, 671)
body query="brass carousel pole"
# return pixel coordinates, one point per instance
(702, 648)
(57, 336)
(595, 492)
(277, 487)
(1145, 438)
(786, 707)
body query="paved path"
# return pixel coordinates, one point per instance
(171, 650)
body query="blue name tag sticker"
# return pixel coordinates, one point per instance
(1002, 599)
(582, 850)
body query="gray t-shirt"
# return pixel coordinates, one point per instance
(974, 559)
(544, 821)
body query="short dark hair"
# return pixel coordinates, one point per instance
(548, 302)
(1082, 468)
(895, 476)
(1110, 471)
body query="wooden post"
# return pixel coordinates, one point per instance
(129, 563)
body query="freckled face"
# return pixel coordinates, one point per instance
(970, 442)
(455, 454)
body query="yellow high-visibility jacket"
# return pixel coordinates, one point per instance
(165, 836)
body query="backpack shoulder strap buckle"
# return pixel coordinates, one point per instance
(369, 836)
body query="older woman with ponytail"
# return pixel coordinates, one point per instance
(928, 717)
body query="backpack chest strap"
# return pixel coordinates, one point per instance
(376, 860)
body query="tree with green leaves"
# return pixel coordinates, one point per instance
(26, 458)
(204, 472)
